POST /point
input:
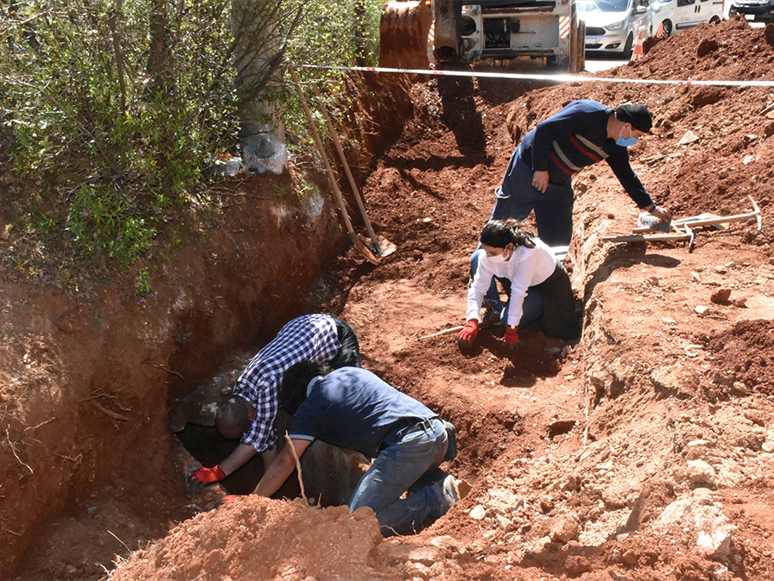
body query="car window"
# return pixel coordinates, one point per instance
(603, 5)
(685, 2)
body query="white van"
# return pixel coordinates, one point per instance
(675, 15)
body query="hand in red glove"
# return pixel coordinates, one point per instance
(203, 477)
(468, 334)
(226, 499)
(512, 337)
(209, 475)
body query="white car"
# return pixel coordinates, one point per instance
(612, 26)
(675, 15)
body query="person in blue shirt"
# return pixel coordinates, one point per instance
(353, 408)
(539, 175)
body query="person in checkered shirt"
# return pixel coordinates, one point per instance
(250, 412)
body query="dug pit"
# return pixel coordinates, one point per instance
(329, 474)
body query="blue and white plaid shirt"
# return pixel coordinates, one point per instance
(309, 337)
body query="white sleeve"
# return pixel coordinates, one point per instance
(478, 289)
(521, 272)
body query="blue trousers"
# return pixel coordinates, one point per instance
(396, 470)
(532, 309)
(517, 197)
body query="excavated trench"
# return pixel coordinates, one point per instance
(329, 474)
(531, 441)
(91, 452)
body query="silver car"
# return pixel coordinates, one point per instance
(612, 26)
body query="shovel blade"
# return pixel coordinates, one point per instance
(384, 247)
(362, 247)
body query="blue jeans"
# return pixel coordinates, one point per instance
(517, 197)
(532, 309)
(394, 471)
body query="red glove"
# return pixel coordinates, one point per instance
(226, 499)
(205, 476)
(468, 334)
(512, 337)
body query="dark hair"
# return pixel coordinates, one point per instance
(292, 392)
(232, 418)
(500, 233)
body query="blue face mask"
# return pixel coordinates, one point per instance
(626, 142)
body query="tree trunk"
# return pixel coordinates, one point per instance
(360, 33)
(158, 54)
(257, 56)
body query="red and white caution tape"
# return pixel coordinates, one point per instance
(561, 78)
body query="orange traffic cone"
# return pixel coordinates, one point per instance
(637, 52)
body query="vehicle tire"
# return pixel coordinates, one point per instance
(627, 51)
(714, 20)
(667, 30)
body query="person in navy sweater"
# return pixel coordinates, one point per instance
(539, 175)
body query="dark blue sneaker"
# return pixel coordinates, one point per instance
(490, 319)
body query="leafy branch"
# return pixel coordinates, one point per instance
(117, 129)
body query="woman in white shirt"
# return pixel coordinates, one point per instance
(540, 291)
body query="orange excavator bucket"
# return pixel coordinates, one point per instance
(403, 34)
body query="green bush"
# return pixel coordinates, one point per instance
(117, 107)
(118, 137)
(338, 43)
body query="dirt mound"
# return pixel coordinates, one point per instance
(711, 146)
(746, 353)
(255, 538)
(731, 48)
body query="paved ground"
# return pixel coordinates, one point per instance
(603, 63)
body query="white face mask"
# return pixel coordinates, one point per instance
(499, 259)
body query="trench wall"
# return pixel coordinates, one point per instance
(87, 374)
(87, 366)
